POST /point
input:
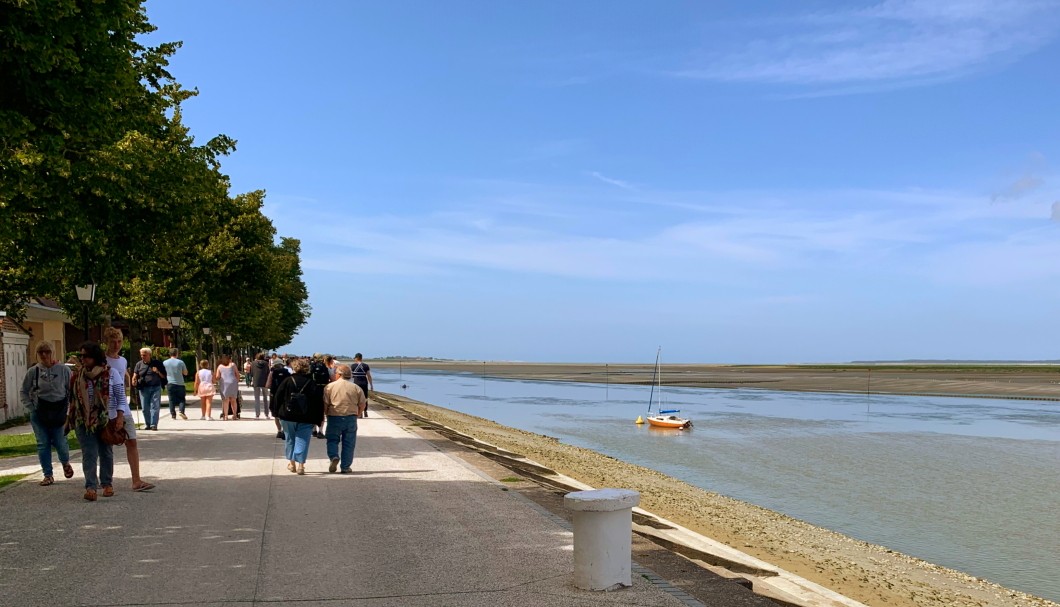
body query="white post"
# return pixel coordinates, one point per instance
(603, 527)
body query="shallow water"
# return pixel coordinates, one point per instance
(971, 484)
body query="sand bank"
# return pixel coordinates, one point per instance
(1024, 382)
(870, 574)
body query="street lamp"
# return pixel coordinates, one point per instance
(175, 321)
(86, 294)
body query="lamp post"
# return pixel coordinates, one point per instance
(175, 321)
(86, 294)
(206, 332)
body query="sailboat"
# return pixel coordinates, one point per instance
(663, 418)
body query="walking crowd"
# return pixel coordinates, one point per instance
(314, 397)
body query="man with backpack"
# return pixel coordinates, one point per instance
(277, 374)
(362, 376)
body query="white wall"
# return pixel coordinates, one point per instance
(16, 348)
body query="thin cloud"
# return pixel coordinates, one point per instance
(1056, 211)
(897, 42)
(625, 185)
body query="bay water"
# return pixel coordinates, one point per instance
(967, 483)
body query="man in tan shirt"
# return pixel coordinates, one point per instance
(344, 402)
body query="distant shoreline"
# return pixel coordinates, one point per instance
(1009, 381)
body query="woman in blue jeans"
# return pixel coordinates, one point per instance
(46, 395)
(300, 406)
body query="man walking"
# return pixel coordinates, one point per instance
(259, 372)
(362, 376)
(148, 377)
(344, 402)
(176, 371)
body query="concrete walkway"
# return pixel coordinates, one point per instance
(228, 524)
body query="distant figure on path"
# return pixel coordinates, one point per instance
(176, 371)
(259, 371)
(246, 371)
(204, 389)
(301, 406)
(46, 395)
(149, 375)
(344, 402)
(228, 386)
(362, 376)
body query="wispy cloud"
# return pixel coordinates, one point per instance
(746, 238)
(625, 185)
(893, 43)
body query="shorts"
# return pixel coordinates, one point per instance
(130, 428)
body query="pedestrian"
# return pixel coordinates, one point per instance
(277, 374)
(46, 395)
(149, 375)
(301, 407)
(259, 369)
(176, 371)
(204, 389)
(322, 376)
(246, 371)
(115, 340)
(344, 402)
(333, 369)
(96, 391)
(362, 376)
(227, 376)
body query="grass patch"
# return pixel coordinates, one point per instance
(7, 479)
(511, 479)
(16, 445)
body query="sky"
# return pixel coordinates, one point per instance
(767, 182)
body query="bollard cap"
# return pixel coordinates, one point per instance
(601, 500)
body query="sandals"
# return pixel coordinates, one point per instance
(301, 469)
(108, 491)
(68, 470)
(290, 466)
(47, 481)
(90, 495)
(144, 486)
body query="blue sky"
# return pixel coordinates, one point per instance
(736, 182)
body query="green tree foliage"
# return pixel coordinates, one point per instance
(100, 178)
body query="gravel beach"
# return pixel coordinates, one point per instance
(868, 573)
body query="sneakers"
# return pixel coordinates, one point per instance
(281, 435)
(334, 465)
(182, 416)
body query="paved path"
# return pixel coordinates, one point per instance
(229, 525)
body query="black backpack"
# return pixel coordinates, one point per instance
(297, 404)
(319, 372)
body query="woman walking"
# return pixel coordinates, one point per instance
(46, 395)
(300, 405)
(228, 385)
(204, 389)
(97, 391)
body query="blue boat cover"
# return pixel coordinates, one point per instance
(667, 411)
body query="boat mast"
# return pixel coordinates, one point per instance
(654, 375)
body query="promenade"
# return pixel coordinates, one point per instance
(229, 525)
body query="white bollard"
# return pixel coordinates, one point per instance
(603, 527)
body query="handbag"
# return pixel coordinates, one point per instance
(112, 435)
(50, 413)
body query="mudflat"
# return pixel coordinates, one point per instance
(868, 573)
(994, 381)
